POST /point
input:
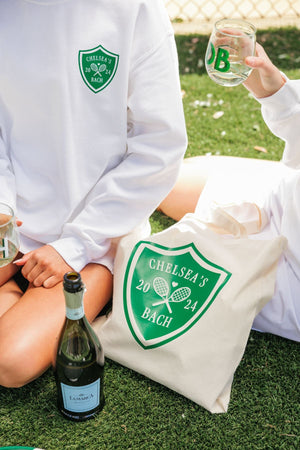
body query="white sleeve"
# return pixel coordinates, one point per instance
(156, 144)
(7, 178)
(281, 113)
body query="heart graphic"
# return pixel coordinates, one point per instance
(174, 284)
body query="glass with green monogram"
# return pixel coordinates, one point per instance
(9, 236)
(231, 41)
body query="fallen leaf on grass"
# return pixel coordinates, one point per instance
(260, 149)
(269, 425)
(284, 56)
(201, 103)
(218, 114)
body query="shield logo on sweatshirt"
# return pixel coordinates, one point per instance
(167, 290)
(98, 67)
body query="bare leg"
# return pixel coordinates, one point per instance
(183, 198)
(196, 171)
(29, 330)
(10, 293)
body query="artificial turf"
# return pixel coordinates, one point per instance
(264, 408)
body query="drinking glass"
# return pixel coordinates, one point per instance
(9, 235)
(230, 42)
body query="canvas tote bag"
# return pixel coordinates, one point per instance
(184, 301)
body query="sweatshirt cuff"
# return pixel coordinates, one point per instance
(76, 255)
(72, 251)
(283, 100)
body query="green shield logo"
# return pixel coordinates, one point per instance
(97, 67)
(167, 290)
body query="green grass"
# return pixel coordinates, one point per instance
(139, 413)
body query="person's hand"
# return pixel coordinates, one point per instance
(265, 79)
(43, 267)
(4, 218)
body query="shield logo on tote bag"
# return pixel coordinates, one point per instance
(167, 290)
(97, 67)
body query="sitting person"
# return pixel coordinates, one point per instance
(273, 185)
(86, 155)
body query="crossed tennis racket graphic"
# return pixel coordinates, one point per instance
(97, 69)
(162, 288)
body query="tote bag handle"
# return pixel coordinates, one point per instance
(223, 223)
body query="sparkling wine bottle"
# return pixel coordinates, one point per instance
(80, 359)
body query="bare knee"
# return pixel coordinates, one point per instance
(10, 375)
(15, 365)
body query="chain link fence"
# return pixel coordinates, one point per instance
(260, 12)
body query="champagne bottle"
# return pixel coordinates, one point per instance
(80, 359)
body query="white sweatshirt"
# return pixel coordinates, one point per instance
(92, 130)
(281, 315)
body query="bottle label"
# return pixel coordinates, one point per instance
(81, 398)
(75, 314)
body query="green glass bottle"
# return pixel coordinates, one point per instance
(80, 359)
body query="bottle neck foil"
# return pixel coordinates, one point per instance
(74, 304)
